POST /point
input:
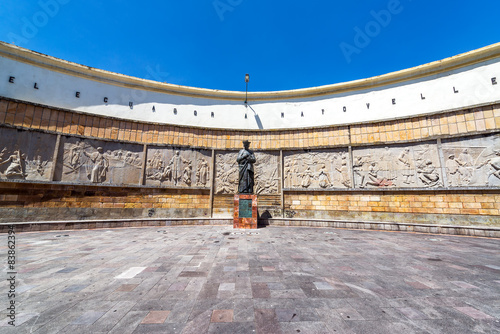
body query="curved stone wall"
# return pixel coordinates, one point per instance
(464, 81)
(56, 165)
(430, 168)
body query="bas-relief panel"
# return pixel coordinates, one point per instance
(226, 175)
(26, 155)
(267, 177)
(473, 162)
(99, 162)
(178, 168)
(411, 166)
(314, 170)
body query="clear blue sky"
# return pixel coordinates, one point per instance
(282, 44)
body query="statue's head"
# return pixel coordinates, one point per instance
(246, 144)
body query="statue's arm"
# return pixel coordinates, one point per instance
(242, 155)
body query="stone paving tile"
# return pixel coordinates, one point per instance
(473, 313)
(231, 327)
(88, 318)
(159, 328)
(155, 317)
(127, 287)
(281, 280)
(222, 316)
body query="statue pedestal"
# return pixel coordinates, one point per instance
(245, 211)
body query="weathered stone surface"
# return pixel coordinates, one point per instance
(279, 280)
(321, 169)
(178, 168)
(98, 162)
(26, 155)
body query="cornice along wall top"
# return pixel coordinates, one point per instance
(434, 68)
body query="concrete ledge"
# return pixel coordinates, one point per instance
(476, 231)
(111, 223)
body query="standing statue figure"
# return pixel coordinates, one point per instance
(245, 160)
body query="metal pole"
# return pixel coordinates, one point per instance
(246, 94)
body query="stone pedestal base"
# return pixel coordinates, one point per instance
(245, 211)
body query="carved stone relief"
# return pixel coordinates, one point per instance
(26, 155)
(267, 177)
(98, 162)
(473, 162)
(178, 168)
(397, 166)
(226, 180)
(317, 170)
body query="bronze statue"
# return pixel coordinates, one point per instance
(245, 160)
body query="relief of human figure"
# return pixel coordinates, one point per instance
(323, 177)
(357, 167)
(344, 173)
(295, 174)
(202, 172)
(307, 177)
(40, 165)
(149, 169)
(74, 157)
(187, 173)
(98, 172)
(137, 160)
(373, 171)
(156, 173)
(74, 154)
(157, 159)
(407, 169)
(452, 167)
(466, 168)
(129, 158)
(494, 164)
(428, 174)
(176, 167)
(17, 165)
(386, 165)
(287, 172)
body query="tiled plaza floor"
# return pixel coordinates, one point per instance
(271, 280)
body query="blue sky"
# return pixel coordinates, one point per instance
(281, 44)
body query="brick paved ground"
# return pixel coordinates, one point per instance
(272, 280)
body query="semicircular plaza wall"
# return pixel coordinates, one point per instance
(419, 146)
